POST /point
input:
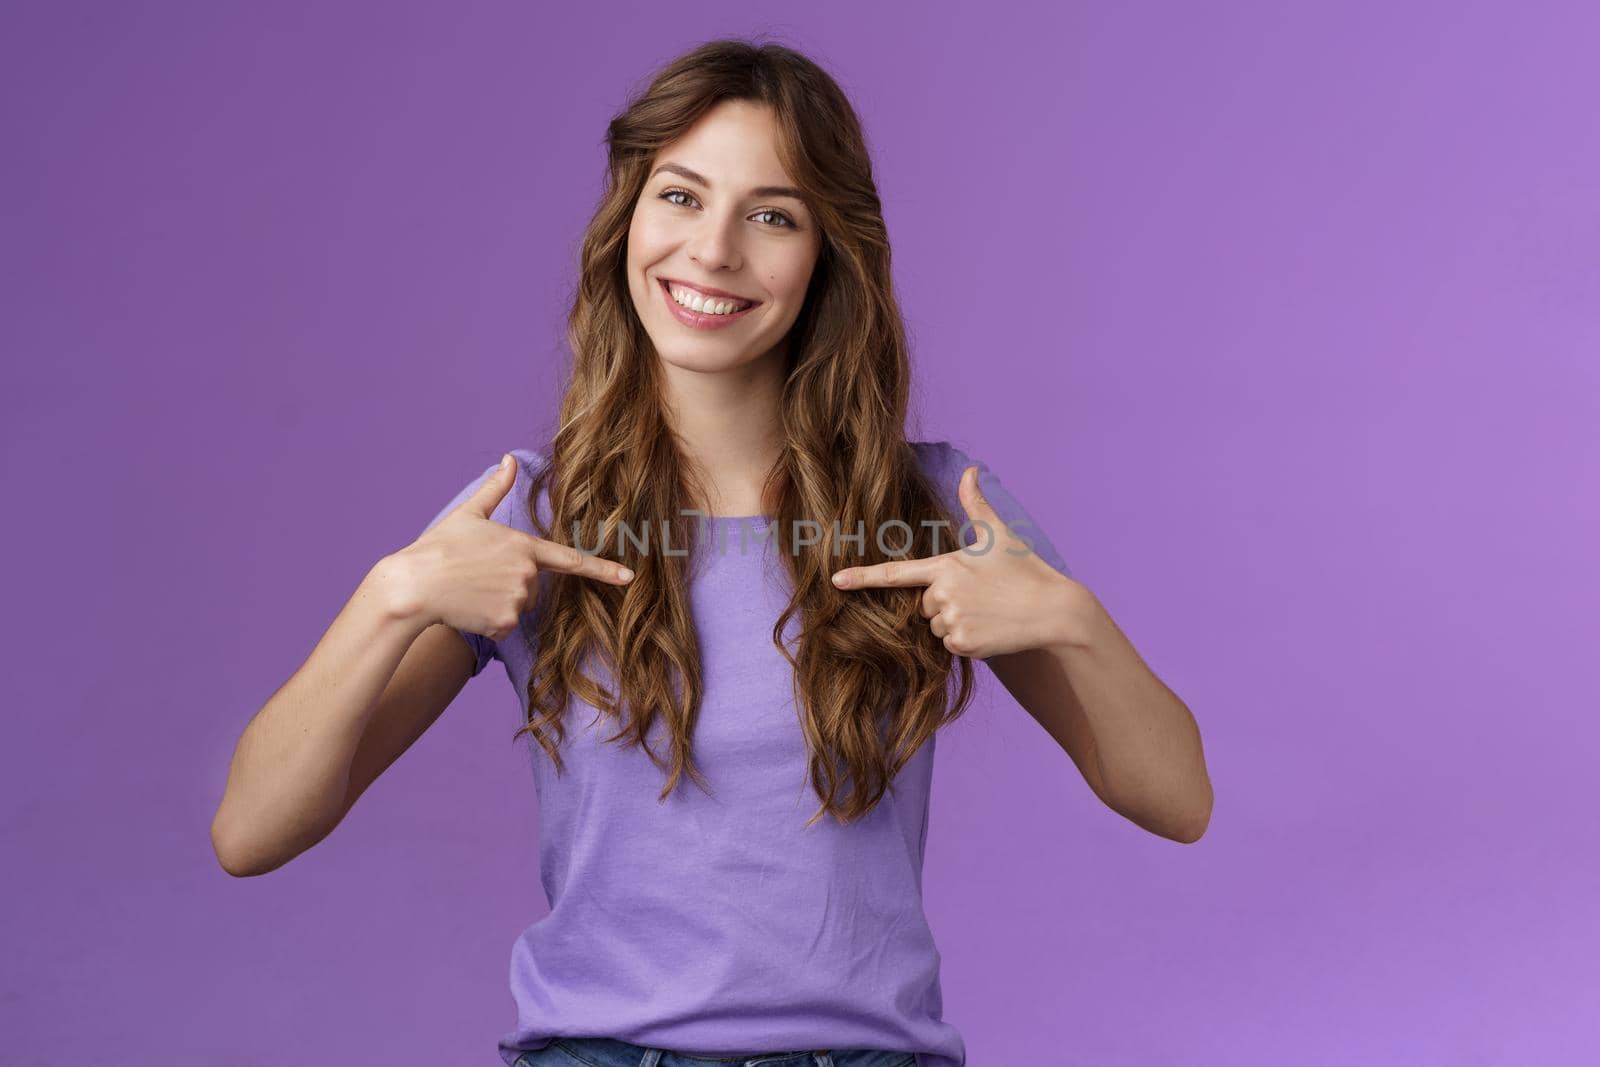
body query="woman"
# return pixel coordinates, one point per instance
(796, 619)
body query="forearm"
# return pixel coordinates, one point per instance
(290, 770)
(1147, 741)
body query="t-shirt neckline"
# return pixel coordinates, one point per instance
(760, 520)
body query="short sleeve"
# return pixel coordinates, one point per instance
(945, 463)
(483, 649)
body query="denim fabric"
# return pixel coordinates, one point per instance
(609, 1052)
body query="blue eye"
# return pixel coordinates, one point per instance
(787, 221)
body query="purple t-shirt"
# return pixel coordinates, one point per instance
(720, 924)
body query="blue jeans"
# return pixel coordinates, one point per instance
(609, 1052)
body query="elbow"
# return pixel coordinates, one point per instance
(1185, 830)
(1184, 823)
(229, 857)
(246, 855)
(1191, 831)
(1193, 827)
(231, 863)
(235, 859)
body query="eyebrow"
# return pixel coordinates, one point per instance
(760, 190)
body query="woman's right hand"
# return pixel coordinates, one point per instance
(481, 576)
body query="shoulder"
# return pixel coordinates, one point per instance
(940, 458)
(512, 510)
(931, 451)
(530, 459)
(943, 461)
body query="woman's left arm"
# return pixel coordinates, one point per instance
(1056, 649)
(1135, 742)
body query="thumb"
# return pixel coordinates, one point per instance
(494, 488)
(976, 504)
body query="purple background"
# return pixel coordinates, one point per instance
(1281, 318)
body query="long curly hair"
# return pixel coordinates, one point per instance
(871, 681)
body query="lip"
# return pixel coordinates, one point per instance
(699, 320)
(710, 290)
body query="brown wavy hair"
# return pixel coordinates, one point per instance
(871, 681)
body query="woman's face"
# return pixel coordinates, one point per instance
(714, 216)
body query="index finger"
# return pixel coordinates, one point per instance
(897, 572)
(568, 560)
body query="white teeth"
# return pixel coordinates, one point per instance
(706, 305)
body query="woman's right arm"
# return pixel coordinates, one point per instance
(387, 667)
(378, 678)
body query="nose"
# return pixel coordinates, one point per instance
(714, 245)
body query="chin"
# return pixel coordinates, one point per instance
(705, 358)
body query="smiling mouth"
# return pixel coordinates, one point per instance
(730, 305)
(707, 320)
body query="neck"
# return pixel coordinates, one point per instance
(730, 425)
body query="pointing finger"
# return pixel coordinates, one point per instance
(568, 560)
(900, 572)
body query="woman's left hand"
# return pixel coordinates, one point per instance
(982, 601)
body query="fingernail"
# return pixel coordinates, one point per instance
(625, 574)
(840, 578)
